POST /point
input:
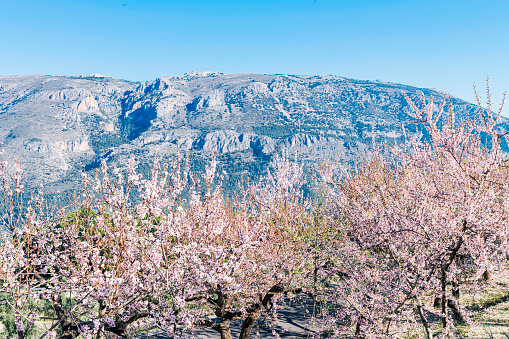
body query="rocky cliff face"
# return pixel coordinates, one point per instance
(59, 126)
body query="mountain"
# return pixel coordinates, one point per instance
(58, 126)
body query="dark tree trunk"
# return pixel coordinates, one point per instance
(120, 328)
(455, 290)
(443, 278)
(486, 275)
(443, 281)
(224, 329)
(437, 303)
(458, 316)
(247, 327)
(250, 321)
(424, 321)
(69, 328)
(358, 330)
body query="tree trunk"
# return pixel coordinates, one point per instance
(455, 290)
(358, 333)
(443, 281)
(120, 328)
(69, 329)
(458, 316)
(424, 321)
(224, 329)
(249, 322)
(100, 333)
(437, 303)
(443, 277)
(486, 275)
(247, 327)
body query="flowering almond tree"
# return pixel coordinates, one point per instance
(212, 237)
(422, 225)
(108, 261)
(264, 231)
(87, 263)
(173, 256)
(20, 258)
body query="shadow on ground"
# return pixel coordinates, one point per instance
(293, 321)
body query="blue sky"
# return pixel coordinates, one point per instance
(436, 44)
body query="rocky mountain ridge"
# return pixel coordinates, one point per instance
(58, 126)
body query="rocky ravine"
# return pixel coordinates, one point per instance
(58, 126)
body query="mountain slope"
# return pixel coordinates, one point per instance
(59, 126)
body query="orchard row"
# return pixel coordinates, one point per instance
(386, 248)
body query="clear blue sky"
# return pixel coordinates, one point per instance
(437, 44)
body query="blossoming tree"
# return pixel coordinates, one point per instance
(421, 224)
